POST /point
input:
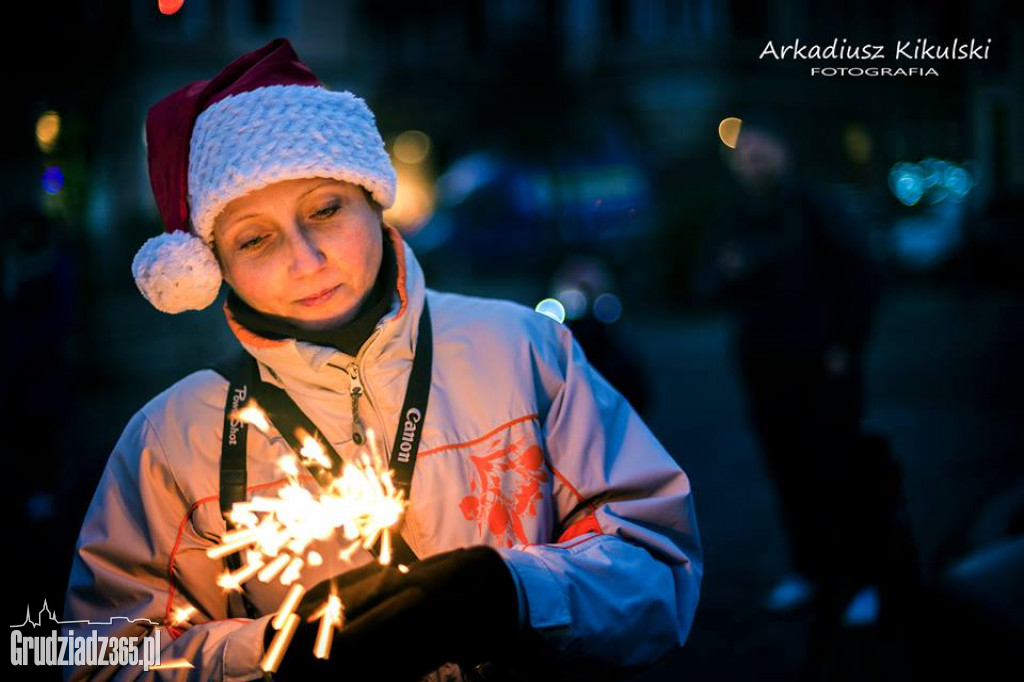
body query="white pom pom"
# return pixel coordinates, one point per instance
(177, 272)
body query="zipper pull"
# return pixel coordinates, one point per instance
(358, 432)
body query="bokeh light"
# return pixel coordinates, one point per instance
(169, 6)
(858, 144)
(411, 147)
(53, 180)
(552, 308)
(607, 308)
(48, 131)
(729, 131)
(933, 180)
(467, 175)
(574, 301)
(414, 200)
(958, 181)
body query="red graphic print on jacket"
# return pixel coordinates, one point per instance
(502, 505)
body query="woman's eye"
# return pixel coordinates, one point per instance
(249, 244)
(328, 211)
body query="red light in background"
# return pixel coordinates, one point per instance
(170, 6)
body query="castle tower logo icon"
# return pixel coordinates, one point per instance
(46, 616)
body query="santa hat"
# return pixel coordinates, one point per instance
(264, 118)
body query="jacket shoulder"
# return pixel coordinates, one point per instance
(179, 430)
(492, 320)
(198, 396)
(163, 447)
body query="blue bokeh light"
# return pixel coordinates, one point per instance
(607, 308)
(574, 301)
(53, 180)
(933, 180)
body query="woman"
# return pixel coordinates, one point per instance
(553, 527)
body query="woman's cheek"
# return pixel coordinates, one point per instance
(259, 283)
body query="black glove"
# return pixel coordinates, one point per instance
(459, 606)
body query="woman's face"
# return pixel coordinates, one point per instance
(306, 251)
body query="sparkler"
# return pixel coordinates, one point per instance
(332, 617)
(173, 664)
(182, 614)
(360, 503)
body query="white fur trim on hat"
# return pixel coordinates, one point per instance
(282, 132)
(177, 272)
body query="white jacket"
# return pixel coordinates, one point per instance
(522, 440)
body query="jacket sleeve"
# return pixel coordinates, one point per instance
(620, 585)
(121, 583)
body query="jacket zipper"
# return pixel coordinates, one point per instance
(358, 431)
(358, 362)
(357, 389)
(355, 370)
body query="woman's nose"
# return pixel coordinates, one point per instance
(306, 256)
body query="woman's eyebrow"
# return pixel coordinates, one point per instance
(255, 214)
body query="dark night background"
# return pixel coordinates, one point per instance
(559, 138)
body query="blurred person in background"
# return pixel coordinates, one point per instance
(803, 287)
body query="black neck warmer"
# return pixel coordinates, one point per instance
(348, 337)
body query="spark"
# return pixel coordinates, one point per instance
(172, 664)
(182, 614)
(287, 608)
(232, 580)
(359, 502)
(270, 571)
(331, 619)
(313, 450)
(252, 414)
(232, 542)
(272, 659)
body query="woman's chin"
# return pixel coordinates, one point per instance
(311, 322)
(322, 324)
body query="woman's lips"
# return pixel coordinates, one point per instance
(317, 299)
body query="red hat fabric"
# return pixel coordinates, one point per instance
(171, 120)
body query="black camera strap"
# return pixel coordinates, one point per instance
(290, 421)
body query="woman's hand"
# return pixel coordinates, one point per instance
(459, 606)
